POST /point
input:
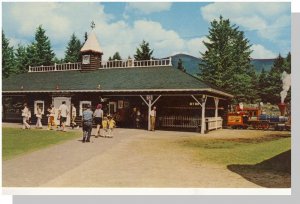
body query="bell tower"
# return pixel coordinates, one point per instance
(91, 54)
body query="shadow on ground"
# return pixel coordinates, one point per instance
(271, 173)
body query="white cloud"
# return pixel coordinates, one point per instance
(196, 46)
(148, 7)
(62, 19)
(268, 19)
(260, 52)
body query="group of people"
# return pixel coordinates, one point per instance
(26, 115)
(62, 116)
(138, 118)
(88, 116)
(107, 123)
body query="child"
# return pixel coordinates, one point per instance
(39, 117)
(111, 125)
(105, 126)
(51, 122)
(25, 113)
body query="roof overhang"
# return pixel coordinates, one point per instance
(210, 90)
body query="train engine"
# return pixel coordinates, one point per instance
(243, 118)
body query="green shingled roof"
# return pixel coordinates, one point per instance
(138, 78)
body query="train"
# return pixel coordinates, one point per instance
(246, 117)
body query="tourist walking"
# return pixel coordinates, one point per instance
(39, 115)
(111, 125)
(25, 113)
(63, 112)
(73, 116)
(87, 121)
(152, 118)
(98, 115)
(51, 115)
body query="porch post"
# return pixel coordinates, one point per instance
(149, 110)
(216, 110)
(204, 97)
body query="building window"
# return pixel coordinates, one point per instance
(83, 105)
(38, 104)
(86, 59)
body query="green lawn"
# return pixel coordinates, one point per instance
(16, 141)
(237, 151)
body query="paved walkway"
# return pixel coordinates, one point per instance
(131, 159)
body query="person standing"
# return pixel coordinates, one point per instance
(63, 113)
(29, 116)
(25, 114)
(98, 114)
(138, 118)
(39, 115)
(87, 122)
(51, 115)
(73, 112)
(152, 118)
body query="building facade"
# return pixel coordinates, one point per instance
(122, 86)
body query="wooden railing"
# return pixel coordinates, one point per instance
(212, 123)
(56, 67)
(104, 65)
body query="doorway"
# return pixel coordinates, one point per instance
(57, 101)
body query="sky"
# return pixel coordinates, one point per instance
(170, 28)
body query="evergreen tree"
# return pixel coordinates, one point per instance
(144, 52)
(31, 56)
(226, 63)
(180, 65)
(21, 59)
(274, 82)
(7, 58)
(72, 53)
(116, 56)
(41, 48)
(85, 36)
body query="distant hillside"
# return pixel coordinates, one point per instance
(259, 64)
(191, 63)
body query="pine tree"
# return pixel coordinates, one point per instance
(116, 56)
(41, 48)
(72, 53)
(7, 58)
(274, 82)
(85, 36)
(226, 63)
(21, 59)
(180, 65)
(144, 52)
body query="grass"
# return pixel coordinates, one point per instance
(16, 142)
(237, 151)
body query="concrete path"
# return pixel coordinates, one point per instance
(131, 159)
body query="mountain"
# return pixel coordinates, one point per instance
(259, 64)
(191, 63)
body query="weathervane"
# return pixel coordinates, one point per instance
(93, 25)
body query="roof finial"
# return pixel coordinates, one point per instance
(93, 25)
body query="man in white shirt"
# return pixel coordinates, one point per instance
(63, 113)
(152, 118)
